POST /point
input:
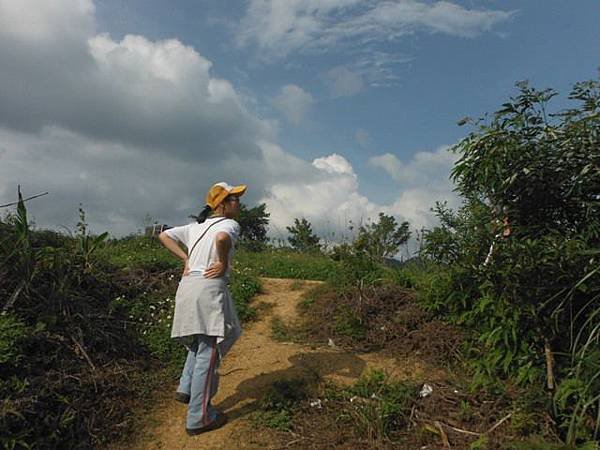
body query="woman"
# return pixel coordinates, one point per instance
(205, 319)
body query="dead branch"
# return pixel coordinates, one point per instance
(84, 353)
(443, 434)
(549, 365)
(13, 297)
(500, 422)
(24, 200)
(460, 430)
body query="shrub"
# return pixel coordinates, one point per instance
(302, 237)
(383, 238)
(66, 359)
(522, 251)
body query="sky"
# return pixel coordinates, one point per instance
(332, 110)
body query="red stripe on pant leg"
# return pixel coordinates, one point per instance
(207, 383)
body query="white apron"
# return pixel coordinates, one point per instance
(204, 306)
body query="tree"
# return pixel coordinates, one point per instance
(522, 254)
(382, 239)
(253, 222)
(302, 237)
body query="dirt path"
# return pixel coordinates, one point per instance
(251, 367)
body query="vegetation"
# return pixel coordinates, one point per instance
(85, 332)
(301, 236)
(520, 258)
(253, 223)
(516, 267)
(277, 407)
(505, 295)
(287, 263)
(382, 239)
(65, 357)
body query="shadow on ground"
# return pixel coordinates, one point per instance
(311, 366)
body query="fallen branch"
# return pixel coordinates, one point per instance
(473, 433)
(460, 430)
(443, 434)
(500, 422)
(84, 353)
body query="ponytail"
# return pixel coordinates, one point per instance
(204, 214)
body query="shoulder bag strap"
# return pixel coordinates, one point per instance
(201, 236)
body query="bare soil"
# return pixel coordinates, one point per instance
(253, 365)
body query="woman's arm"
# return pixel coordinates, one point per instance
(219, 267)
(172, 245)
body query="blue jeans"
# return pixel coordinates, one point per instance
(200, 380)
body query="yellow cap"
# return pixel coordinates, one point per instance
(218, 191)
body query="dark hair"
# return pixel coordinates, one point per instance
(204, 214)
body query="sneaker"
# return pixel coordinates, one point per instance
(181, 397)
(217, 423)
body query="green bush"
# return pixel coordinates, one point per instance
(521, 254)
(66, 360)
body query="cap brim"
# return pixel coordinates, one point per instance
(238, 190)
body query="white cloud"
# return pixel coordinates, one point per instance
(379, 68)
(136, 91)
(422, 181)
(133, 127)
(329, 201)
(278, 28)
(344, 82)
(424, 167)
(127, 127)
(334, 164)
(332, 200)
(294, 102)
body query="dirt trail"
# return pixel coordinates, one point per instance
(254, 363)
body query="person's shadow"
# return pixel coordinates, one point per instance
(306, 366)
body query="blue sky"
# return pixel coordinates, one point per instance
(331, 109)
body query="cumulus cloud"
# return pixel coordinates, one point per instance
(344, 82)
(90, 118)
(133, 127)
(278, 28)
(424, 167)
(294, 102)
(422, 180)
(136, 91)
(329, 201)
(332, 199)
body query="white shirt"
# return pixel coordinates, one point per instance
(205, 252)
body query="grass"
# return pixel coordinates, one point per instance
(278, 406)
(279, 330)
(386, 404)
(285, 263)
(137, 252)
(368, 414)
